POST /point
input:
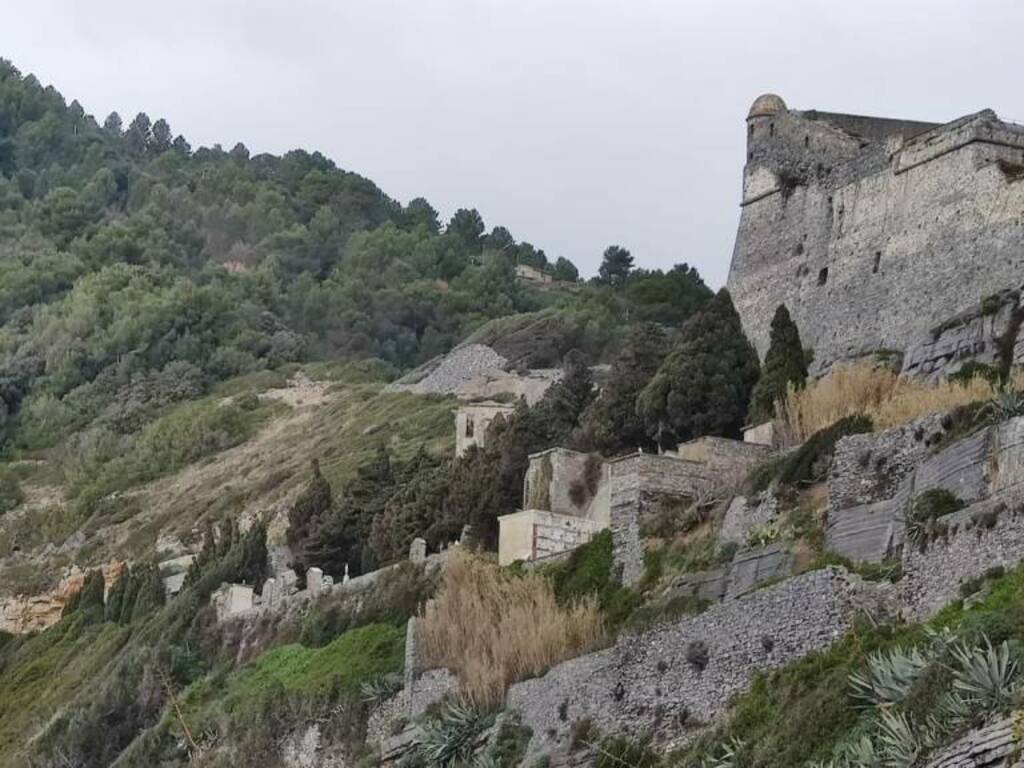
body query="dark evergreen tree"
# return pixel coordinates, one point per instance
(149, 591)
(610, 424)
(341, 537)
(567, 399)
(784, 364)
(112, 124)
(615, 266)
(704, 385)
(312, 505)
(468, 226)
(565, 270)
(161, 136)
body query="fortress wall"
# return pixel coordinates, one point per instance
(950, 218)
(684, 674)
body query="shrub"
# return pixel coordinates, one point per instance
(10, 491)
(494, 629)
(811, 462)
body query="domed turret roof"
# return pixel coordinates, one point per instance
(766, 104)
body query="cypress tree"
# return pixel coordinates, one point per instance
(610, 424)
(784, 364)
(704, 385)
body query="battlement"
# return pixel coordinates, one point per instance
(873, 231)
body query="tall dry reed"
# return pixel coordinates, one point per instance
(493, 629)
(888, 399)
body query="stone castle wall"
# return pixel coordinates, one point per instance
(873, 240)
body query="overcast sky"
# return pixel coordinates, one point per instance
(575, 124)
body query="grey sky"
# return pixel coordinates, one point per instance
(575, 124)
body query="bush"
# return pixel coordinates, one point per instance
(10, 490)
(811, 462)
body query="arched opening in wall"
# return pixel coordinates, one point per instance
(470, 427)
(750, 156)
(750, 130)
(807, 141)
(877, 263)
(771, 129)
(823, 276)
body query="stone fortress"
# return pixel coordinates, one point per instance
(881, 235)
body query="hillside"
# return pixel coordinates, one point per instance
(183, 334)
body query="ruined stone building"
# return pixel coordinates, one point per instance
(886, 235)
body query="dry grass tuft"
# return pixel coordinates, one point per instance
(493, 629)
(888, 399)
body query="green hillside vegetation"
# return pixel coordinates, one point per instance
(183, 333)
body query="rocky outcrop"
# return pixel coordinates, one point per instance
(22, 614)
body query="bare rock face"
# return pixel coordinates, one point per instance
(22, 614)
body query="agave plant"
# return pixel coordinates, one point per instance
(950, 713)
(380, 688)
(451, 738)
(889, 676)
(898, 744)
(860, 753)
(1006, 403)
(727, 756)
(985, 676)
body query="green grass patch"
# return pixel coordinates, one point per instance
(312, 673)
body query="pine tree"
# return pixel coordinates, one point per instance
(704, 385)
(784, 364)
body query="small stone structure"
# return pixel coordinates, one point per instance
(534, 534)
(761, 434)
(472, 421)
(531, 274)
(683, 675)
(638, 482)
(565, 502)
(231, 600)
(567, 482)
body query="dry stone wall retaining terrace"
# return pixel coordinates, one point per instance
(743, 515)
(877, 477)
(683, 675)
(997, 745)
(983, 536)
(872, 240)
(871, 486)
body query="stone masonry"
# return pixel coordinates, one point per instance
(874, 231)
(637, 481)
(682, 675)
